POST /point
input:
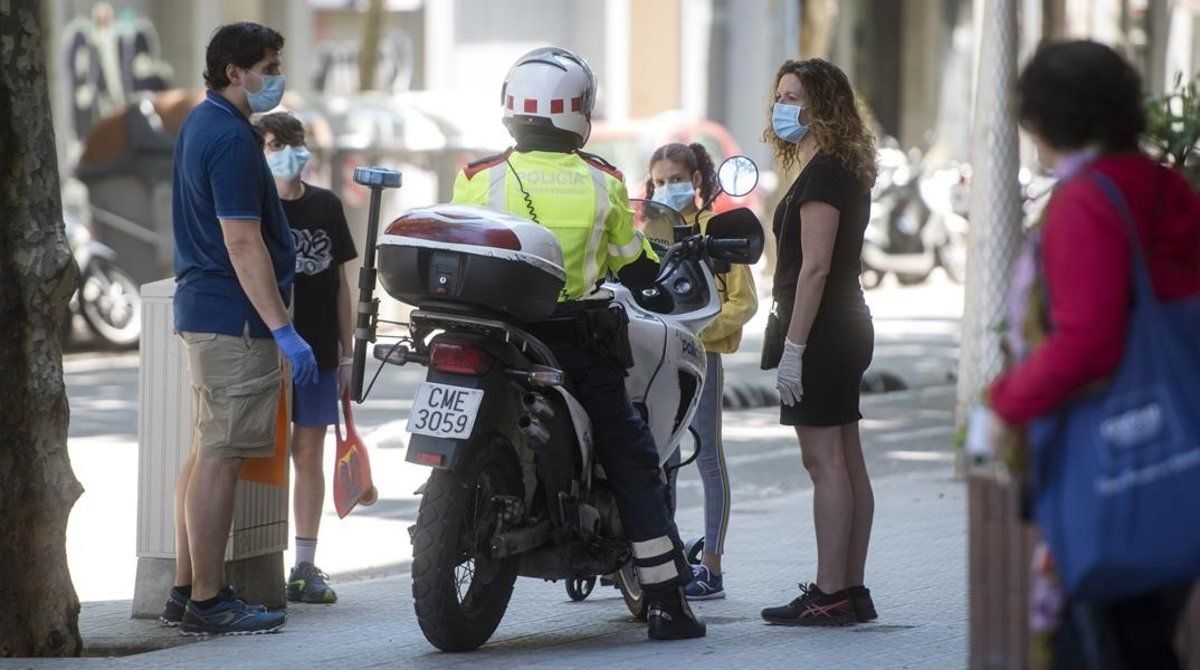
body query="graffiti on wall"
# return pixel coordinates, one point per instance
(108, 57)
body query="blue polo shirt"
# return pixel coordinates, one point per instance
(219, 171)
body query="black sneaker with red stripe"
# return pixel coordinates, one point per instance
(813, 608)
(864, 607)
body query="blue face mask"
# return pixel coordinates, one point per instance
(287, 163)
(785, 120)
(678, 196)
(268, 95)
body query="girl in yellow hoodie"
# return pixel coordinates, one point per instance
(681, 176)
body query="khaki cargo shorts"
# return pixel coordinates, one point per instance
(235, 394)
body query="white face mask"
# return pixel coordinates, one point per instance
(287, 163)
(269, 93)
(678, 195)
(785, 120)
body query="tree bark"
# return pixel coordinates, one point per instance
(368, 55)
(39, 610)
(818, 28)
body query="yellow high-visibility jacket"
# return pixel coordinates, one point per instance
(739, 302)
(579, 198)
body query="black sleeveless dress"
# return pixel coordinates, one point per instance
(842, 340)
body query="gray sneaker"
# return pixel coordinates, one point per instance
(308, 584)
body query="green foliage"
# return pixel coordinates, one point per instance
(1173, 128)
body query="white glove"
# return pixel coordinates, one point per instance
(788, 382)
(344, 370)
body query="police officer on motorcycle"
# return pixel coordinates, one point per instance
(547, 98)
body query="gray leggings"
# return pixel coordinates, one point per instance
(714, 474)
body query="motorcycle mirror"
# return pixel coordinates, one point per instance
(738, 175)
(738, 225)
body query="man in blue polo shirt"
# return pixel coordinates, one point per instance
(233, 267)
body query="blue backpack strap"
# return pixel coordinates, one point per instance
(1143, 287)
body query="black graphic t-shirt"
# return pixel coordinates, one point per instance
(323, 243)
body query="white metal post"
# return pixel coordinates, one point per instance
(259, 533)
(995, 201)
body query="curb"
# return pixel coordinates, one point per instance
(754, 395)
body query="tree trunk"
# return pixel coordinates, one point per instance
(39, 611)
(818, 28)
(368, 54)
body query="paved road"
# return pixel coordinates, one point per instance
(904, 433)
(916, 337)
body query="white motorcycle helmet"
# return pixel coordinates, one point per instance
(549, 88)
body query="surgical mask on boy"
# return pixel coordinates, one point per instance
(267, 97)
(785, 120)
(678, 195)
(287, 163)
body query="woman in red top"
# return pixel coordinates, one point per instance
(1081, 102)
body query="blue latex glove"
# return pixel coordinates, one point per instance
(304, 363)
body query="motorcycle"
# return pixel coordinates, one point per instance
(516, 489)
(917, 222)
(106, 296)
(946, 194)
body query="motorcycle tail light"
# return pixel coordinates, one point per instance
(460, 359)
(456, 229)
(430, 459)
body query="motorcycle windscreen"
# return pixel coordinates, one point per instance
(657, 221)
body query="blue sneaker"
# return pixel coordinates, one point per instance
(704, 585)
(173, 611)
(230, 616)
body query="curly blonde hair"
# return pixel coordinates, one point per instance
(837, 120)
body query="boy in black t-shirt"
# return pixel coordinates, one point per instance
(323, 318)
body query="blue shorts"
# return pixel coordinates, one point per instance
(316, 405)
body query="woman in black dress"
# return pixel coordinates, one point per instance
(823, 327)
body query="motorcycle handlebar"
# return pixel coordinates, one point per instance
(730, 245)
(698, 246)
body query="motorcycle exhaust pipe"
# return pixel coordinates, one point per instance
(535, 404)
(534, 430)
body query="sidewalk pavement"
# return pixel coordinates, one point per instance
(917, 565)
(916, 337)
(916, 573)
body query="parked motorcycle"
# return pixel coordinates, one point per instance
(1036, 189)
(946, 194)
(106, 296)
(917, 223)
(516, 489)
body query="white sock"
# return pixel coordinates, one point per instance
(306, 550)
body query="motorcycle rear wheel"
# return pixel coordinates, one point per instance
(913, 278)
(631, 591)
(460, 592)
(110, 303)
(871, 278)
(952, 256)
(579, 588)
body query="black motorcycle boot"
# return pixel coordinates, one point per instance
(671, 618)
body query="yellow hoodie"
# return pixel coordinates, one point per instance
(739, 302)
